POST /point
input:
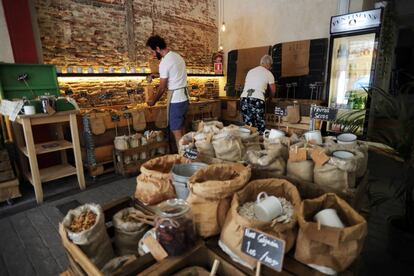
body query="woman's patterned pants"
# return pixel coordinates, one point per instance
(253, 112)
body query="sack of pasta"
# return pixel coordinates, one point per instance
(242, 214)
(128, 231)
(211, 190)
(329, 248)
(154, 183)
(85, 227)
(267, 163)
(334, 171)
(360, 154)
(228, 145)
(300, 164)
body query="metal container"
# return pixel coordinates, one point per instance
(181, 173)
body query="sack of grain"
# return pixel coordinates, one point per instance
(186, 142)
(128, 231)
(329, 249)
(211, 189)
(85, 227)
(203, 144)
(122, 143)
(251, 142)
(228, 145)
(267, 163)
(154, 183)
(236, 220)
(301, 168)
(360, 151)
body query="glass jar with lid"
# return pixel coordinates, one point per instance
(174, 226)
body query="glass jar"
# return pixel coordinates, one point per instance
(174, 226)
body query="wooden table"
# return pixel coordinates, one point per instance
(25, 142)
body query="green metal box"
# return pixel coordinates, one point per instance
(41, 80)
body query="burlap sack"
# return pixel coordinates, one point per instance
(205, 148)
(210, 127)
(331, 247)
(122, 143)
(154, 183)
(138, 120)
(360, 150)
(97, 123)
(186, 142)
(211, 189)
(161, 120)
(252, 142)
(266, 163)
(228, 145)
(337, 175)
(232, 232)
(300, 170)
(127, 233)
(94, 242)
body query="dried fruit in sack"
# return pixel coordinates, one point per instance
(83, 222)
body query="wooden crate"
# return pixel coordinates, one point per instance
(101, 168)
(200, 256)
(80, 264)
(133, 167)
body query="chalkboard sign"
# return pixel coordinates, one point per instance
(267, 250)
(280, 111)
(115, 117)
(323, 113)
(127, 115)
(191, 154)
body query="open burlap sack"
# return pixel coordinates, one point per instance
(267, 163)
(301, 170)
(154, 183)
(251, 142)
(204, 146)
(127, 232)
(186, 142)
(329, 247)
(337, 175)
(228, 145)
(232, 232)
(94, 242)
(210, 127)
(360, 151)
(211, 190)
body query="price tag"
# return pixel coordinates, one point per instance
(157, 251)
(280, 111)
(319, 157)
(267, 250)
(191, 154)
(323, 113)
(297, 155)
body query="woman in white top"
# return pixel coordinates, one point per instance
(252, 101)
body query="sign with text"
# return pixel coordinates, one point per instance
(356, 21)
(323, 113)
(280, 111)
(267, 250)
(191, 154)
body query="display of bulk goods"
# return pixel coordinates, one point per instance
(250, 138)
(274, 215)
(85, 227)
(359, 150)
(275, 138)
(211, 190)
(154, 183)
(228, 145)
(300, 164)
(174, 227)
(130, 225)
(267, 163)
(331, 234)
(209, 127)
(337, 173)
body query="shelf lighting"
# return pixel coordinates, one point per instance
(223, 27)
(99, 78)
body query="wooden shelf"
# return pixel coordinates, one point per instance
(56, 145)
(54, 172)
(129, 75)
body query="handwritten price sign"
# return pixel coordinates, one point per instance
(323, 113)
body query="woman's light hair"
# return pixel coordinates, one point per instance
(266, 60)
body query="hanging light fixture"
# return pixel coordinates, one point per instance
(223, 25)
(221, 48)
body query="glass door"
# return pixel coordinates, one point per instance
(351, 70)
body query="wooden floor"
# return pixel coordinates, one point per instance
(30, 245)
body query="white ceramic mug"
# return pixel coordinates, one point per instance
(314, 135)
(244, 132)
(343, 154)
(273, 134)
(347, 138)
(267, 207)
(329, 217)
(29, 110)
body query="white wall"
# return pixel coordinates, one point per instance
(6, 52)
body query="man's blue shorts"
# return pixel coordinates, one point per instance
(178, 112)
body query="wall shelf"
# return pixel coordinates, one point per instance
(127, 75)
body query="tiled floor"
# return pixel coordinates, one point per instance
(29, 241)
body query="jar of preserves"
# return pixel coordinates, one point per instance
(174, 226)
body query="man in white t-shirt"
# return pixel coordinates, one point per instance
(252, 101)
(173, 77)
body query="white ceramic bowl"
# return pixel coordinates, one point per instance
(244, 132)
(343, 154)
(346, 138)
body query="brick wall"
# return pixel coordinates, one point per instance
(112, 33)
